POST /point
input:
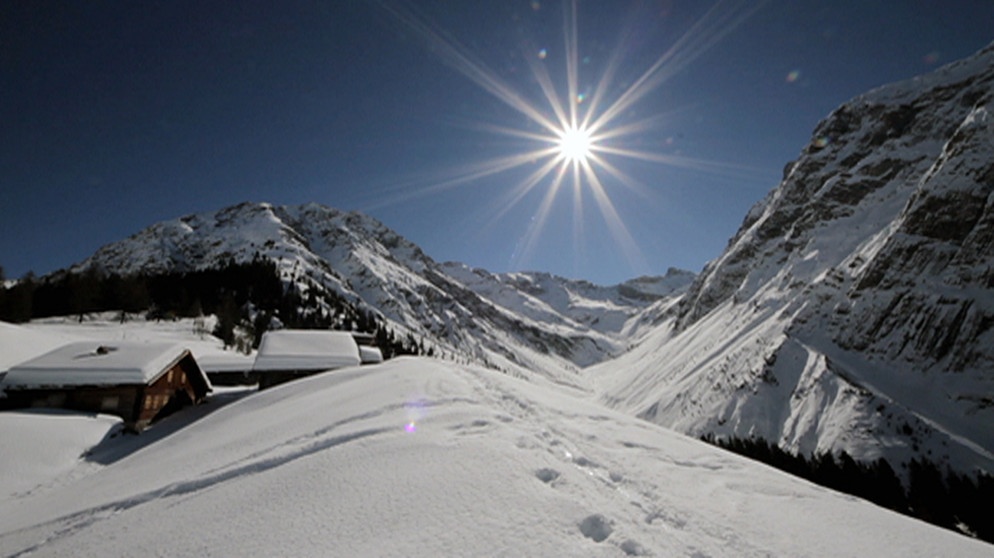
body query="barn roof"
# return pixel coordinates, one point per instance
(96, 363)
(306, 350)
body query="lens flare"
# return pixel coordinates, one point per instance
(416, 408)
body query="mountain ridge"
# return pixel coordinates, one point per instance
(519, 322)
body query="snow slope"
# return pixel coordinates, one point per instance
(42, 446)
(853, 309)
(18, 344)
(417, 457)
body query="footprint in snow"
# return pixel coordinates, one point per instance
(596, 527)
(581, 461)
(547, 475)
(477, 426)
(632, 548)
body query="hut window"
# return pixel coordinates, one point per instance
(169, 377)
(109, 402)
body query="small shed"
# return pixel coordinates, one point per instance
(139, 382)
(289, 354)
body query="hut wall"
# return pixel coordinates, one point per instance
(171, 390)
(270, 378)
(112, 400)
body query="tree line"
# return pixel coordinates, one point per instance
(948, 499)
(249, 297)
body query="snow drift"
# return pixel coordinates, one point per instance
(422, 458)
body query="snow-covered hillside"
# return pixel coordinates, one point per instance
(854, 308)
(617, 312)
(519, 323)
(18, 344)
(417, 457)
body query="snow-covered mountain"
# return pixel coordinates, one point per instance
(516, 322)
(854, 308)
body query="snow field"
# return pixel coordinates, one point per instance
(40, 446)
(417, 457)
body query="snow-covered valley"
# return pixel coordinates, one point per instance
(852, 312)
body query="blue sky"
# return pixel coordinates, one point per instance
(116, 115)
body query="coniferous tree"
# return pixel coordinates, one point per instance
(927, 495)
(227, 319)
(850, 474)
(883, 487)
(982, 519)
(259, 326)
(83, 292)
(16, 301)
(826, 471)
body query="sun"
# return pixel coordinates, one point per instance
(575, 135)
(575, 145)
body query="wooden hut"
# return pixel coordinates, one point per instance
(139, 382)
(288, 354)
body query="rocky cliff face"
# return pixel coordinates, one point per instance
(516, 322)
(854, 308)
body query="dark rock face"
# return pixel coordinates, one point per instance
(932, 146)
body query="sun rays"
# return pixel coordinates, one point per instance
(576, 137)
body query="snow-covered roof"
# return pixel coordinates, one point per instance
(370, 355)
(306, 350)
(225, 362)
(95, 363)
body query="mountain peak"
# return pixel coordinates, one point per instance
(852, 310)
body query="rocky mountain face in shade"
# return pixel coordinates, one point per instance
(854, 308)
(516, 322)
